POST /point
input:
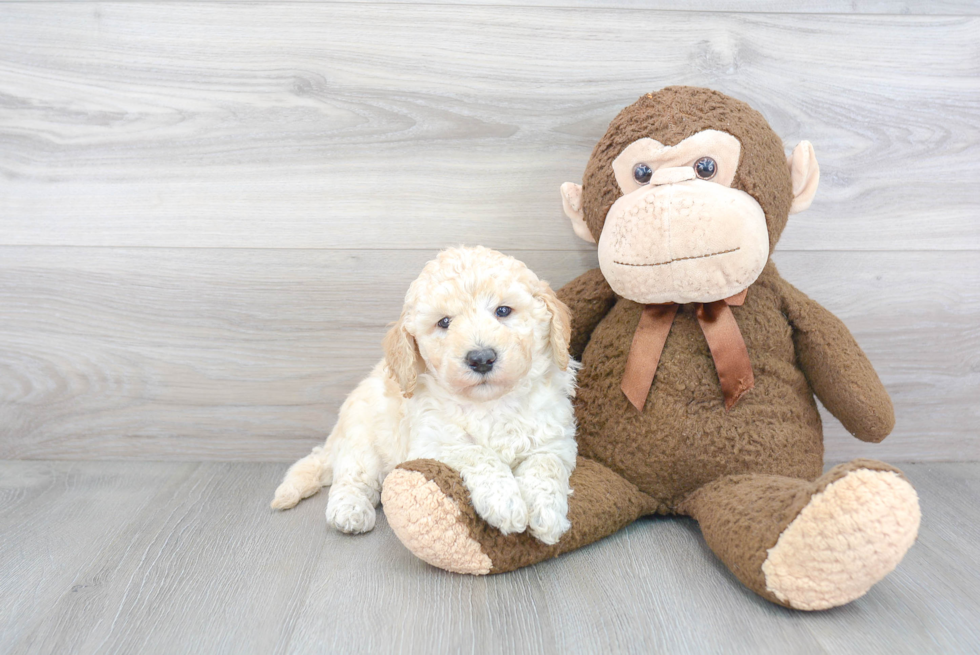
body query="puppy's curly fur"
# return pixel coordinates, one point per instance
(509, 431)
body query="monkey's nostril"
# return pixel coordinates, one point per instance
(482, 360)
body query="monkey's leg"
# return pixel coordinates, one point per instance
(809, 545)
(429, 509)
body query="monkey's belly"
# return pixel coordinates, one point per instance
(684, 438)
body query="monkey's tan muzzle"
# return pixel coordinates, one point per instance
(681, 239)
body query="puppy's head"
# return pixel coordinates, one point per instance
(478, 322)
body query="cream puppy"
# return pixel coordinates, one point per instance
(476, 374)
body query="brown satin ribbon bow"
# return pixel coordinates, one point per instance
(720, 331)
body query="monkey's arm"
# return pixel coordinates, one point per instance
(836, 368)
(589, 297)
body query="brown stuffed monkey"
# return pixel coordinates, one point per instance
(699, 370)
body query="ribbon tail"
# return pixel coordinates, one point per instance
(727, 349)
(644, 356)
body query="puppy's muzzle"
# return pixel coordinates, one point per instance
(481, 361)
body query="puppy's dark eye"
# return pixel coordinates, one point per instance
(444, 322)
(642, 173)
(503, 312)
(705, 168)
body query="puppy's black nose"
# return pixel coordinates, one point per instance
(481, 361)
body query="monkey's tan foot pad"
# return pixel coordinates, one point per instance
(429, 521)
(850, 535)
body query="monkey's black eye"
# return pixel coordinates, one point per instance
(705, 168)
(444, 322)
(503, 312)
(642, 173)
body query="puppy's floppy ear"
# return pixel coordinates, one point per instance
(561, 324)
(402, 358)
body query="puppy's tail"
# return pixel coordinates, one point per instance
(304, 478)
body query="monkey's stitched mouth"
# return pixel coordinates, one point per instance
(680, 259)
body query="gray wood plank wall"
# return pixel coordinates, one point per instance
(209, 211)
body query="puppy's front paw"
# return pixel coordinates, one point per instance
(547, 504)
(498, 501)
(350, 512)
(548, 517)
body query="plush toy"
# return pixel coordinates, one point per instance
(699, 369)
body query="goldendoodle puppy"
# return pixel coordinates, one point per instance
(476, 374)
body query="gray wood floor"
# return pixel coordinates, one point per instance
(125, 557)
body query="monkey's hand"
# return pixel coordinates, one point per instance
(837, 369)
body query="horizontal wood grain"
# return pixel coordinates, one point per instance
(138, 557)
(899, 7)
(387, 126)
(246, 354)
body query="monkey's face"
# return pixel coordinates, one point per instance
(693, 221)
(680, 232)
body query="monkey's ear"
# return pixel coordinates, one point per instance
(402, 357)
(571, 200)
(805, 172)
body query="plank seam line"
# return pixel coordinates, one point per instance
(500, 6)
